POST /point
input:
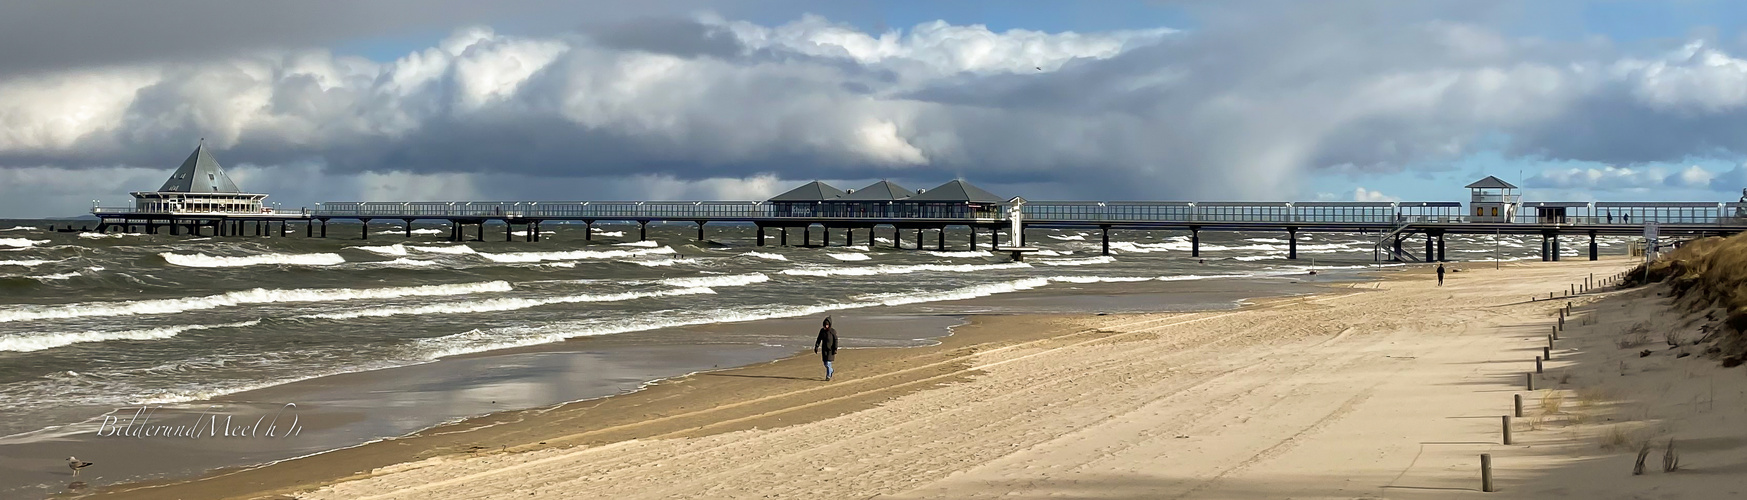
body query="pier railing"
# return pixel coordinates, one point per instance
(1088, 212)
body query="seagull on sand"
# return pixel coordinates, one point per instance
(75, 464)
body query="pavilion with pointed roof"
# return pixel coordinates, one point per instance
(955, 198)
(199, 186)
(875, 200)
(804, 201)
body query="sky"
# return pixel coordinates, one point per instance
(402, 100)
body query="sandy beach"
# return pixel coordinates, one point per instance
(1378, 389)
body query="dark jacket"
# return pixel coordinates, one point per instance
(826, 345)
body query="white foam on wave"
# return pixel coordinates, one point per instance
(404, 262)
(877, 270)
(479, 340)
(1253, 258)
(1102, 259)
(609, 234)
(958, 255)
(717, 281)
(1196, 277)
(504, 304)
(452, 250)
(399, 230)
(395, 249)
(660, 262)
(21, 242)
(54, 277)
(253, 296)
(27, 262)
(1099, 279)
(768, 256)
(644, 244)
(1071, 237)
(99, 236)
(27, 343)
(572, 255)
(1133, 247)
(970, 292)
(858, 248)
(20, 228)
(848, 256)
(298, 259)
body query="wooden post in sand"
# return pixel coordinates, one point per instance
(1486, 472)
(1547, 352)
(1555, 333)
(1537, 370)
(1530, 377)
(1519, 404)
(1550, 341)
(1506, 420)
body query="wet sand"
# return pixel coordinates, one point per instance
(335, 411)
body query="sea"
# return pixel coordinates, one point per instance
(92, 324)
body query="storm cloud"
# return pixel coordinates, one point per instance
(1244, 106)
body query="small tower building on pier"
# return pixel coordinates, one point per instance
(1493, 200)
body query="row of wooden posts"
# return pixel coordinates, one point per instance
(1589, 284)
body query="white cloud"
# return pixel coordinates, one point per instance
(1362, 194)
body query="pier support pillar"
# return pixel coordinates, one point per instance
(973, 238)
(588, 232)
(1397, 255)
(309, 229)
(1194, 241)
(870, 237)
(534, 232)
(1431, 247)
(1545, 257)
(700, 230)
(643, 231)
(942, 235)
(1020, 238)
(848, 237)
(785, 236)
(760, 235)
(284, 228)
(897, 237)
(1292, 243)
(408, 226)
(807, 235)
(1555, 247)
(365, 224)
(479, 232)
(1593, 253)
(1441, 247)
(994, 238)
(324, 228)
(1106, 239)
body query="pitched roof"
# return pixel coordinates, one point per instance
(1490, 182)
(200, 174)
(812, 191)
(879, 191)
(958, 191)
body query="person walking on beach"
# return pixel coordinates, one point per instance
(828, 342)
(1440, 275)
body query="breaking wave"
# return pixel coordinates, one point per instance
(503, 304)
(300, 259)
(254, 296)
(876, 270)
(27, 343)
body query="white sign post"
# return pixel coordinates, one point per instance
(1650, 236)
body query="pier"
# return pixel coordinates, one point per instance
(192, 207)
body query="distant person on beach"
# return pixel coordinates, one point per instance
(1440, 275)
(828, 342)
